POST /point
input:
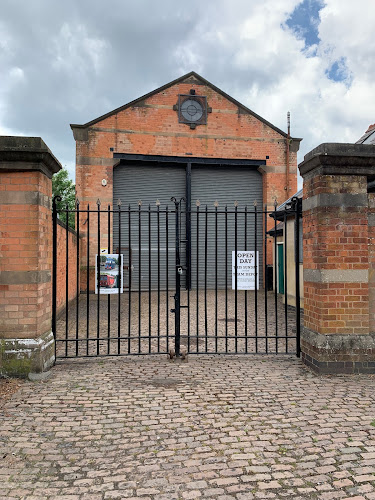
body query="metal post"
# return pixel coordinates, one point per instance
(177, 297)
(188, 226)
(297, 216)
(54, 266)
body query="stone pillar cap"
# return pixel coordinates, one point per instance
(27, 154)
(336, 158)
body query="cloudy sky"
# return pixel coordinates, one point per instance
(69, 61)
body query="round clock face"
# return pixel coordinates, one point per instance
(191, 110)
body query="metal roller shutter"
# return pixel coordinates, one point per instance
(148, 183)
(225, 185)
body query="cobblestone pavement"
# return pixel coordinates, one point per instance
(214, 427)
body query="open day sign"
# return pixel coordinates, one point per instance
(245, 270)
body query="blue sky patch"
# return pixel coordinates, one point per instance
(338, 71)
(304, 21)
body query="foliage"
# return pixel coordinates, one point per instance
(64, 187)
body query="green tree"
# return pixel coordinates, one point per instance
(63, 186)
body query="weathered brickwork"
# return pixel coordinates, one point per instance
(371, 258)
(62, 235)
(150, 127)
(26, 255)
(26, 340)
(338, 259)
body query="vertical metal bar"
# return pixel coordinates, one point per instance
(88, 282)
(276, 281)
(205, 279)
(149, 278)
(298, 295)
(130, 277)
(54, 269)
(246, 339)
(286, 280)
(98, 285)
(265, 279)
(197, 278)
(67, 282)
(158, 229)
(256, 273)
(188, 227)
(78, 291)
(216, 345)
(109, 295)
(178, 286)
(226, 278)
(167, 275)
(139, 277)
(188, 238)
(235, 277)
(120, 283)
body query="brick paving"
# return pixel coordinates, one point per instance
(215, 427)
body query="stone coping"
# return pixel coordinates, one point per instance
(27, 154)
(340, 158)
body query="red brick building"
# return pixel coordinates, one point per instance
(185, 139)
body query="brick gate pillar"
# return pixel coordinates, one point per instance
(26, 339)
(337, 337)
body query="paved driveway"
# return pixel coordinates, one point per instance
(215, 427)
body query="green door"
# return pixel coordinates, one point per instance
(280, 268)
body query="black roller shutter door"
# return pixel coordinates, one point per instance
(224, 185)
(148, 183)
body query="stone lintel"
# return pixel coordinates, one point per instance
(338, 200)
(25, 357)
(24, 277)
(101, 161)
(338, 353)
(340, 159)
(335, 275)
(25, 198)
(27, 154)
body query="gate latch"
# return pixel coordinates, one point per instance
(179, 270)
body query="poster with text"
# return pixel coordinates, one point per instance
(245, 270)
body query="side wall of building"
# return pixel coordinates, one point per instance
(62, 235)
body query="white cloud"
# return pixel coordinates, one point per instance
(73, 61)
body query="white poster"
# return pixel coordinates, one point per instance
(108, 273)
(245, 270)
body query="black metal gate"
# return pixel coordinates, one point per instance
(176, 280)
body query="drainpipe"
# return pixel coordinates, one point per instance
(287, 156)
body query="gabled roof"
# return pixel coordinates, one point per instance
(368, 137)
(192, 78)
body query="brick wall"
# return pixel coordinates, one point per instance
(371, 257)
(336, 239)
(25, 253)
(62, 236)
